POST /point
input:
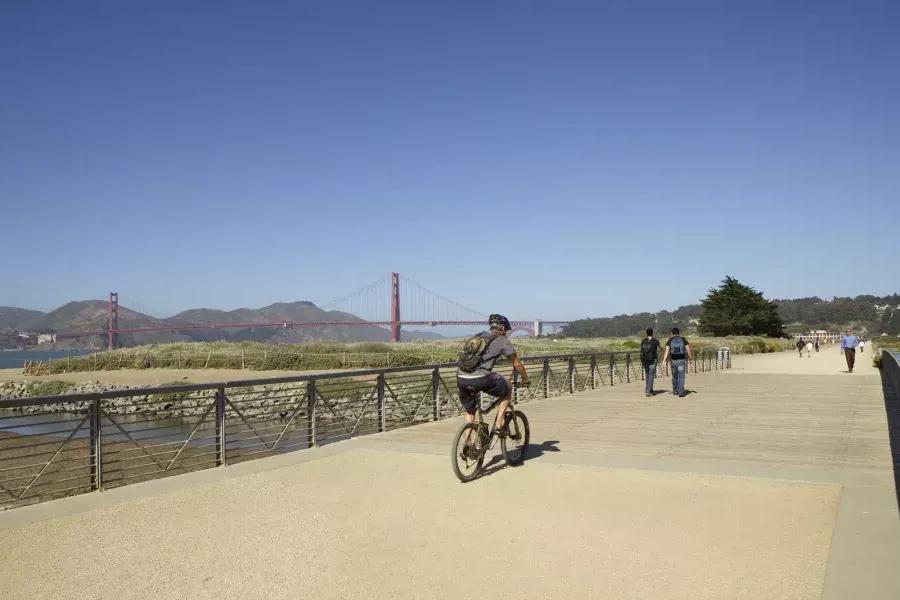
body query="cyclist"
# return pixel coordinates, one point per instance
(494, 343)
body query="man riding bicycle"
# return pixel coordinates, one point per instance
(475, 373)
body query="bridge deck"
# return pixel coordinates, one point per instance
(774, 480)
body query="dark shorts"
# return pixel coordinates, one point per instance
(493, 384)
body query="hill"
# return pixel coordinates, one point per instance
(275, 313)
(91, 315)
(14, 319)
(867, 314)
(684, 317)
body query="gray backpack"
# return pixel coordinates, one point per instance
(473, 352)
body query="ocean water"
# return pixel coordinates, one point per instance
(14, 359)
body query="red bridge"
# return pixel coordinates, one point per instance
(424, 307)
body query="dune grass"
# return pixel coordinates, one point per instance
(336, 355)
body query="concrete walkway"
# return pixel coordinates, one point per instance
(774, 480)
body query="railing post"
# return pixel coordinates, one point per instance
(612, 368)
(436, 392)
(593, 371)
(571, 375)
(546, 378)
(311, 413)
(381, 416)
(628, 368)
(96, 457)
(221, 442)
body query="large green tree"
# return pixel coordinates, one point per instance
(736, 309)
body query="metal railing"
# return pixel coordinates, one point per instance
(55, 446)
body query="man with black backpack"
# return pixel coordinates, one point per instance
(476, 365)
(679, 350)
(649, 355)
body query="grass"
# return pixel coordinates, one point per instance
(48, 388)
(336, 355)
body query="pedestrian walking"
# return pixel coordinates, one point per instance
(808, 349)
(679, 351)
(800, 344)
(862, 346)
(817, 344)
(848, 347)
(649, 356)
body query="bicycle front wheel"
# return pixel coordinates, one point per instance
(515, 445)
(467, 453)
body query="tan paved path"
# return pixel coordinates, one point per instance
(774, 480)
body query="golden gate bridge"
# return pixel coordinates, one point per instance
(377, 304)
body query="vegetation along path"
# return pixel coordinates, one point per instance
(774, 480)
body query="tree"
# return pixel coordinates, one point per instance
(736, 309)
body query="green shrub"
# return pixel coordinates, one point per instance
(774, 346)
(48, 388)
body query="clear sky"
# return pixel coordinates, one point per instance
(552, 159)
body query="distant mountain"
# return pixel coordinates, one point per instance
(275, 313)
(92, 315)
(14, 319)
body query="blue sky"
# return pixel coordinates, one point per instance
(540, 159)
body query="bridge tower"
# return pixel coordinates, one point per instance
(395, 307)
(113, 325)
(538, 327)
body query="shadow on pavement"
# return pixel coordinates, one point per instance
(892, 409)
(533, 451)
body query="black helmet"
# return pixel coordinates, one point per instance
(496, 319)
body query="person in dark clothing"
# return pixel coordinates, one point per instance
(800, 344)
(649, 355)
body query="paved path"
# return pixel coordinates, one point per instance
(774, 480)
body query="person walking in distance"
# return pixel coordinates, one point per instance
(808, 349)
(848, 346)
(678, 349)
(817, 344)
(862, 345)
(649, 356)
(800, 345)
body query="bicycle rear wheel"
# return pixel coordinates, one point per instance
(515, 444)
(467, 453)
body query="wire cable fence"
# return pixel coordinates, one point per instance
(55, 446)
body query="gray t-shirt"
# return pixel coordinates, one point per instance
(499, 346)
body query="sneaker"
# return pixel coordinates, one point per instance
(682, 394)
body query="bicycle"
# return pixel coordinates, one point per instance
(473, 440)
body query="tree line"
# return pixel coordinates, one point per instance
(737, 309)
